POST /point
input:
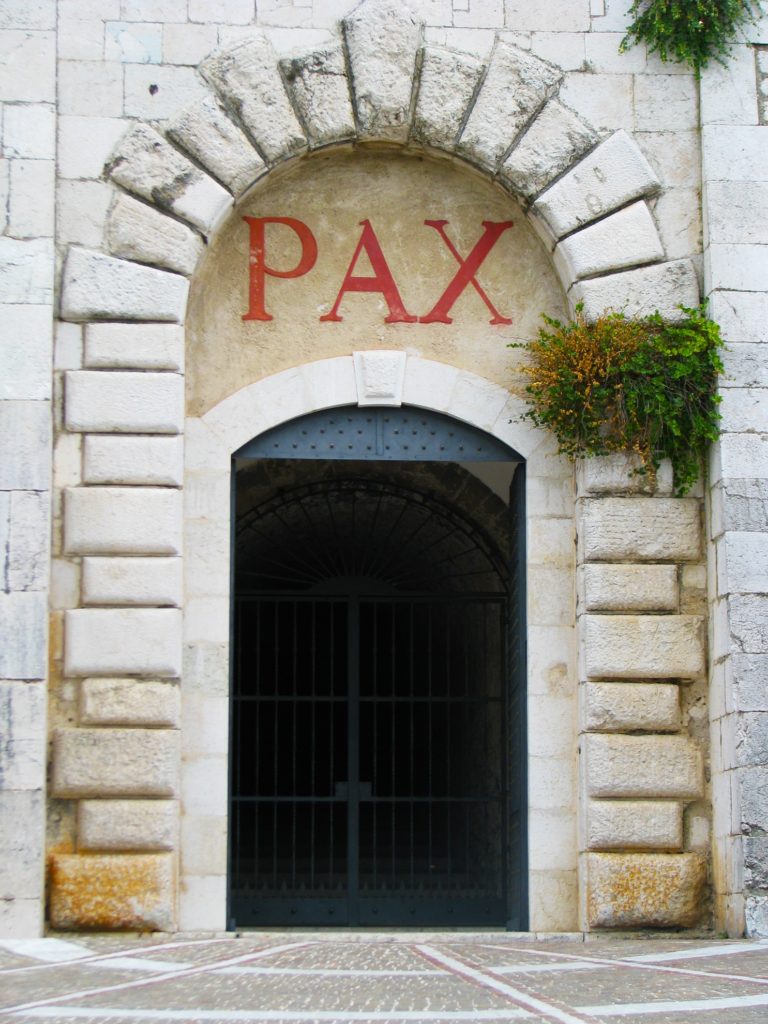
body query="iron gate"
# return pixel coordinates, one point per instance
(369, 780)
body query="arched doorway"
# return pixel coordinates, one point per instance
(377, 753)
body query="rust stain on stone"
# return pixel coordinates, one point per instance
(112, 891)
(645, 890)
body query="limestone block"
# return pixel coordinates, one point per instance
(640, 529)
(138, 232)
(630, 588)
(115, 762)
(155, 461)
(113, 891)
(749, 623)
(24, 629)
(22, 918)
(555, 140)
(27, 545)
(740, 456)
(132, 581)
(22, 844)
(22, 751)
(620, 240)
(663, 288)
(127, 824)
(752, 738)
(176, 87)
(743, 365)
(645, 890)
(756, 862)
(643, 646)
(26, 270)
(109, 641)
(515, 86)
(611, 176)
(129, 702)
(753, 783)
(99, 287)
(85, 144)
(750, 681)
(25, 440)
(248, 80)
(26, 340)
(756, 916)
(318, 84)
(742, 315)
(144, 163)
(134, 346)
(742, 563)
(122, 520)
(618, 474)
(618, 707)
(124, 402)
(744, 409)
(383, 39)
(744, 505)
(447, 85)
(634, 825)
(207, 134)
(647, 767)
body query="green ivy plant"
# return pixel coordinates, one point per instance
(621, 384)
(689, 31)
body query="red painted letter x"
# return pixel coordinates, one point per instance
(466, 272)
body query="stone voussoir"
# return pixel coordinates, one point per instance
(446, 87)
(247, 79)
(318, 83)
(113, 891)
(127, 824)
(644, 767)
(100, 287)
(206, 132)
(148, 165)
(621, 707)
(383, 38)
(643, 646)
(135, 702)
(640, 529)
(645, 890)
(115, 762)
(516, 85)
(623, 239)
(555, 140)
(141, 233)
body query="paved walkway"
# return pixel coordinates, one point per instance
(434, 978)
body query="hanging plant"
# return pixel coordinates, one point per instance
(622, 384)
(688, 31)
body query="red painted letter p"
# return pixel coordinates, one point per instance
(258, 270)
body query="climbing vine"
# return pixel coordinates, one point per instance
(623, 384)
(689, 31)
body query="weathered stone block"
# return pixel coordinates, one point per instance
(318, 83)
(643, 646)
(144, 163)
(753, 785)
(756, 916)
(22, 843)
(515, 86)
(138, 232)
(663, 287)
(25, 440)
(107, 641)
(619, 474)
(24, 629)
(134, 346)
(447, 84)
(645, 890)
(26, 270)
(99, 287)
(756, 862)
(22, 751)
(112, 891)
(634, 825)
(643, 766)
(749, 674)
(620, 240)
(115, 762)
(752, 738)
(641, 529)
(749, 623)
(248, 80)
(122, 520)
(26, 542)
(127, 824)
(611, 176)
(129, 702)
(745, 505)
(383, 39)
(124, 402)
(132, 581)
(26, 340)
(630, 588)
(207, 134)
(742, 563)
(619, 707)
(555, 140)
(155, 461)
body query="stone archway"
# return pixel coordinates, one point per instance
(585, 196)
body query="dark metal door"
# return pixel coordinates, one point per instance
(369, 768)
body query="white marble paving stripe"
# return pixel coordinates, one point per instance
(328, 972)
(167, 976)
(530, 1003)
(62, 1013)
(540, 968)
(677, 1006)
(96, 958)
(52, 951)
(135, 963)
(701, 952)
(638, 966)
